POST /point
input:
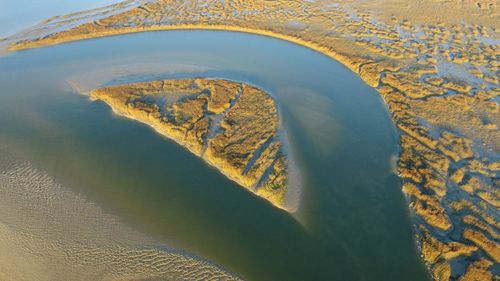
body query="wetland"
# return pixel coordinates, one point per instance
(352, 222)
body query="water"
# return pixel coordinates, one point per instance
(353, 222)
(20, 14)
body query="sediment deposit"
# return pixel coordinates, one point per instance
(435, 64)
(233, 126)
(50, 233)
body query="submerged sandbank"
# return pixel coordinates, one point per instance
(48, 232)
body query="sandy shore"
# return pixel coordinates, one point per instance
(47, 232)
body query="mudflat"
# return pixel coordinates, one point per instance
(435, 63)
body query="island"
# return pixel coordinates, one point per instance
(434, 63)
(234, 127)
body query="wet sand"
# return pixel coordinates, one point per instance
(48, 232)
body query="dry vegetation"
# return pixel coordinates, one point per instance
(436, 65)
(233, 126)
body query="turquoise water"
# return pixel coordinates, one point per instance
(353, 222)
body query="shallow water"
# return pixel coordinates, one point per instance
(353, 222)
(20, 14)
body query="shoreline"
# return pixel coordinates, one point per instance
(63, 228)
(437, 119)
(292, 197)
(228, 28)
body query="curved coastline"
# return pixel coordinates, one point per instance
(306, 95)
(415, 138)
(45, 42)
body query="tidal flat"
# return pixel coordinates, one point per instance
(48, 232)
(161, 189)
(437, 74)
